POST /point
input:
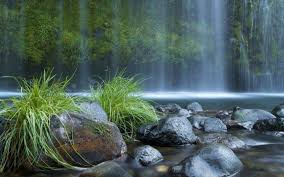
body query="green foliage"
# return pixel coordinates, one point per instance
(27, 135)
(126, 110)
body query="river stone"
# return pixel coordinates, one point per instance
(184, 113)
(147, 155)
(171, 131)
(229, 140)
(215, 160)
(214, 125)
(198, 121)
(195, 107)
(95, 141)
(278, 111)
(270, 125)
(93, 111)
(106, 169)
(171, 108)
(247, 117)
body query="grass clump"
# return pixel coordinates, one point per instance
(27, 135)
(126, 110)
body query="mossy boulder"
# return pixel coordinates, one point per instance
(85, 142)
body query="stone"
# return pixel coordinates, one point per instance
(106, 169)
(195, 107)
(278, 111)
(184, 113)
(247, 117)
(171, 131)
(147, 155)
(214, 125)
(214, 160)
(171, 108)
(270, 125)
(198, 121)
(228, 140)
(93, 110)
(93, 141)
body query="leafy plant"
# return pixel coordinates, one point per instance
(27, 136)
(126, 110)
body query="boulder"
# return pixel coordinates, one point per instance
(247, 117)
(215, 160)
(278, 111)
(195, 107)
(87, 142)
(106, 169)
(184, 113)
(171, 131)
(169, 108)
(93, 111)
(214, 125)
(147, 155)
(270, 125)
(198, 121)
(228, 140)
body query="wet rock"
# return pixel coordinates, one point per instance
(171, 131)
(214, 125)
(184, 113)
(147, 155)
(228, 140)
(270, 125)
(247, 117)
(275, 133)
(195, 107)
(223, 115)
(93, 111)
(169, 108)
(198, 121)
(215, 160)
(94, 141)
(106, 169)
(278, 111)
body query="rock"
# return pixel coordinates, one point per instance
(94, 111)
(106, 169)
(147, 155)
(223, 115)
(184, 113)
(208, 124)
(275, 133)
(197, 121)
(195, 107)
(247, 117)
(278, 111)
(171, 131)
(228, 140)
(215, 160)
(270, 125)
(214, 125)
(169, 108)
(95, 141)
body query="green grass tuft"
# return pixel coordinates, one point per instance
(124, 109)
(27, 135)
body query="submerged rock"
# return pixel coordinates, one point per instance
(169, 108)
(195, 107)
(214, 125)
(247, 117)
(147, 155)
(278, 111)
(94, 141)
(170, 131)
(211, 161)
(93, 111)
(270, 125)
(228, 140)
(106, 169)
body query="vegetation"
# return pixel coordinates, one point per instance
(126, 110)
(27, 135)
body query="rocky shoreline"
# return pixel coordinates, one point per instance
(103, 151)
